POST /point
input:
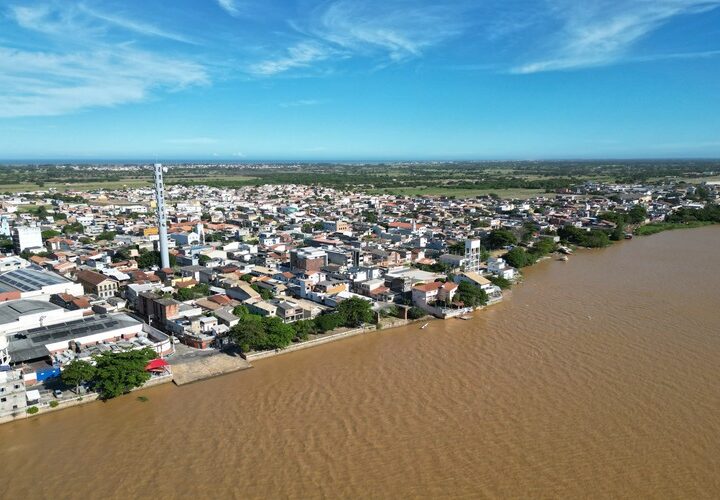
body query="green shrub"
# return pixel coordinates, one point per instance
(54, 404)
(32, 410)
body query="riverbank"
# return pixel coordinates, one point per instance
(384, 324)
(659, 227)
(91, 397)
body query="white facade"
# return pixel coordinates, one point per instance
(27, 237)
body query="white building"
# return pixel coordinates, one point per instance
(499, 267)
(27, 238)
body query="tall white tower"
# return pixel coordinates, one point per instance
(161, 217)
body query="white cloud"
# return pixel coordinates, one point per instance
(300, 55)
(136, 26)
(600, 32)
(84, 70)
(389, 30)
(230, 6)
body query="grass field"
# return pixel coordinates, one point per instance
(130, 182)
(458, 193)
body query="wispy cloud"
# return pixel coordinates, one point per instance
(232, 7)
(400, 29)
(98, 73)
(385, 31)
(601, 32)
(300, 103)
(139, 27)
(192, 140)
(300, 55)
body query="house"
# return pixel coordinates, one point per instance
(97, 283)
(432, 292)
(499, 267)
(243, 292)
(289, 311)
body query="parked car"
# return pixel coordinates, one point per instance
(57, 393)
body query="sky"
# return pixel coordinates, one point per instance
(352, 80)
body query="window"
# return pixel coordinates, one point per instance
(2, 400)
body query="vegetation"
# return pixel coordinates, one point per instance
(106, 235)
(355, 312)
(501, 282)
(46, 235)
(416, 313)
(594, 238)
(327, 322)
(53, 404)
(193, 292)
(709, 213)
(78, 372)
(119, 372)
(32, 410)
(255, 332)
(500, 238)
(148, 259)
(73, 228)
(658, 227)
(470, 295)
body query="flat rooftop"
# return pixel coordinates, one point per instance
(28, 280)
(30, 344)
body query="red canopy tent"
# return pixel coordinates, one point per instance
(156, 365)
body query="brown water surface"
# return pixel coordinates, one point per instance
(598, 377)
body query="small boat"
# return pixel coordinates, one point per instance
(628, 236)
(563, 258)
(424, 326)
(466, 318)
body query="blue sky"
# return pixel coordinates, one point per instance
(363, 79)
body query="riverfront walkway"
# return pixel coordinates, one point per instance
(190, 365)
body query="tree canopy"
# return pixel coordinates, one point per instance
(500, 238)
(77, 372)
(355, 311)
(119, 372)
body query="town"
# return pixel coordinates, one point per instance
(106, 290)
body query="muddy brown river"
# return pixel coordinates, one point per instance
(597, 377)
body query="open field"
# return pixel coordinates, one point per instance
(458, 193)
(129, 182)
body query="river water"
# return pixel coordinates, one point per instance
(597, 377)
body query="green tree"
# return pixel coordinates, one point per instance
(637, 214)
(500, 238)
(303, 328)
(503, 283)
(416, 313)
(327, 322)
(618, 233)
(50, 233)
(106, 235)
(355, 311)
(148, 259)
(470, 295)
(193, 292)
(277, 334)
(241, 311)
(77, 372)
(248, 333)
(120, 372)
(73, 228)
(518, 257)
